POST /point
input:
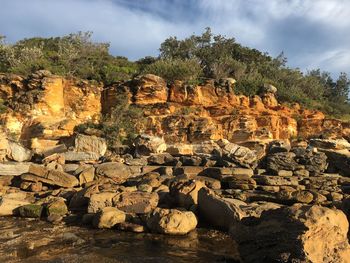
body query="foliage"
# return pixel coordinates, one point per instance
(190, 59)
(3, 108)
(221, 57)
(175, 69)
(120, 124)
(71, 55)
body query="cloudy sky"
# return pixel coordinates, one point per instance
(312, 33)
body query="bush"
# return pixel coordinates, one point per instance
(71, 55)
(175, 69)
(3, 108)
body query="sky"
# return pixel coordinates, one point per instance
(311, 33)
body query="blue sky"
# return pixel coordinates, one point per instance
(312, 33)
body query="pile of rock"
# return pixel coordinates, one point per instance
(289, 192)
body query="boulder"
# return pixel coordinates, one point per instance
(191, 160)
(332, 144)
(314, 162)
(218, 212)
(162, 159)
(108, 217)
(147, 145)
(300, 233)
(84, 143)
(179, 149)
(56, 207)
(279, 146)
(9, 203)
(98, 201)
(118, 172)
(18, 153)
(87, 175)
(171, 221)
(339, 160)
(281, 161)
(6, 180)
(186, 193)
(240, 155)
(31, 210)
(277, 180)
(224, 173)
(80, 200)
(268, 88)
(346, 207)
(136, 202)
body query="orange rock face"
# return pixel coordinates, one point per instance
(45, 108)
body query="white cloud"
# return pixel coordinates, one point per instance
(313, 33)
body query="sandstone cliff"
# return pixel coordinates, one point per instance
(44, 108)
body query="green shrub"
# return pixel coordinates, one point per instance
(120, 125)
(175, 69)
(3, 108)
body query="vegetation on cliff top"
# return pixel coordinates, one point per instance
(190, 59)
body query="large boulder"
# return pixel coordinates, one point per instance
(31, 210)
(10, 203)
(98, 201)
(216, 211)
(84, 143)
(281, 161)
(240, 155)
(339, 160)
(314, 162)
(171, 221)
(136, 202)
(118, 172)
(332, 144)
(300, 233)
(18, 153)
(147, 145)
(186, 193)
(108, 217)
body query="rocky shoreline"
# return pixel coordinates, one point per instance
(288, 205)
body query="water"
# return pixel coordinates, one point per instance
(29, 240)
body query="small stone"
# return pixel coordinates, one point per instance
(54, 219)
(145, 188)
(284, 173)
(335, 197)
(301, 173)
(303, 197)
(131, 227)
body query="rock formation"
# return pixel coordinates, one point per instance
(205, 156)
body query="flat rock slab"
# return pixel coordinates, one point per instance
(136, 202)
(80, 156)
(276, 180)
(118, 172)
(84, 143)
(14, 168)
(37, 173)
